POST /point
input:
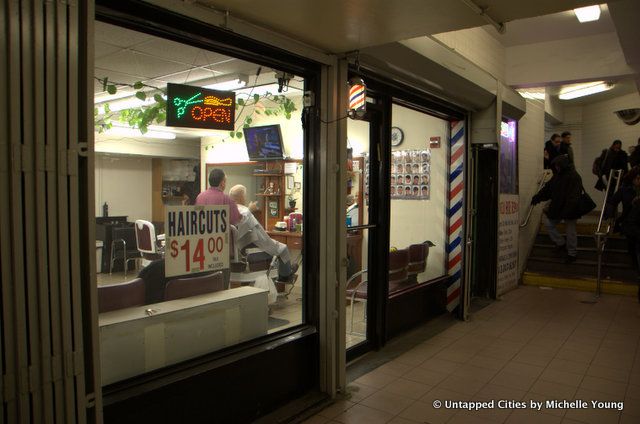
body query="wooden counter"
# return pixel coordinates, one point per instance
(293, 240)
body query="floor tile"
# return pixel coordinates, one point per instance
(377, 379)
(553, 390)
(469, 418)
(357, 392)
(426, 413)
(336, 409)
(562, 377)
(604, 385)
(463, 384)
(387, 402)
(316, 419)
(427, 377)
(608, 373)
(526, 370)
(359, 414)
(568, 366)
(527, 416)
(508, 379)
(407, 388)
(395, 368)
(440, 365)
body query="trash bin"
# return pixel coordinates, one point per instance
(99, 246)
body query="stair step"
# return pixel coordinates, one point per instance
(582, 228)
(578, 283)
(578, 269)
(587, 253)
(614, 242)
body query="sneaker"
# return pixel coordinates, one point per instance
(291, 277)
(570, 259)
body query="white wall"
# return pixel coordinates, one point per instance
(478, 46)
(414, 221)
(531, 138)
(125, 184)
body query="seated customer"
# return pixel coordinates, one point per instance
(250, 231)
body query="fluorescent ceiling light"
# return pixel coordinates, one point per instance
(533, 95)
(233, 84)
(581, 90)
(134, 132)
(131, 102)
(588, 14)
(262, 90)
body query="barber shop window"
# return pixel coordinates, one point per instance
(419, 193)
(199, 202)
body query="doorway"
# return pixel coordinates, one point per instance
(366, 243)
(485, 221)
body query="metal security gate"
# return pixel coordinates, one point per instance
(48, 346)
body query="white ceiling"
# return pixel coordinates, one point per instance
(340, 26)
(556, 26)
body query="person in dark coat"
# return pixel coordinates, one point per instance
(566, 142)
(552, 149)
(626, 194)
(634, 157)
(564, 190)
(613, 158)
(631, 228)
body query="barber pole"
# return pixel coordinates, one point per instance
(455, 213)
(357, 98)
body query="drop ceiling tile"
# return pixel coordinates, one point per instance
(118, 36)
(147, 67)
(102, 49)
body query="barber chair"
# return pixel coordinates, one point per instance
(122, 248)
(418, 255)
(149, 245)
(358, 284)
(120, 296)
(250, 263)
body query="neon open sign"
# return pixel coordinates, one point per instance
(197, 107)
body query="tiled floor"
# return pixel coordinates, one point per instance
(534, 345)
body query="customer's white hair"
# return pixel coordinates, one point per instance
(238, 193)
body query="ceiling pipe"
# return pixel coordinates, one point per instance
(482, 11)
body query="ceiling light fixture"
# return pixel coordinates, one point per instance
(135, 133)
(128, 103)
(587, 14)
(581, 90)
(237, 82)
(532, 95)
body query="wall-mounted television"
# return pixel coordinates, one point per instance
(264, 142)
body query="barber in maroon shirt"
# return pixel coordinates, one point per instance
(215, 195)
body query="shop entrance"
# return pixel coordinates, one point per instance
(364, 239)
(485, 221)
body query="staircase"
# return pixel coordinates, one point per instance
(546, 267)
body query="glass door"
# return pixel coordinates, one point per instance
(363, 222)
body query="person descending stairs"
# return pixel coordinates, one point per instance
(546, 265)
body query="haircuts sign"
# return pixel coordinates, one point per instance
(197, 107)
(197, 239)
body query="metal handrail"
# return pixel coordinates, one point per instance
(600, 236)
(541, 182)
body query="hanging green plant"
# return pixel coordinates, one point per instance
(141, 117)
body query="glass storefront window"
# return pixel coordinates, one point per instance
(419, 193)
(152, 316)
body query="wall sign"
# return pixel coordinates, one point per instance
(197, 239)
(197, 107)
(434, 142)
